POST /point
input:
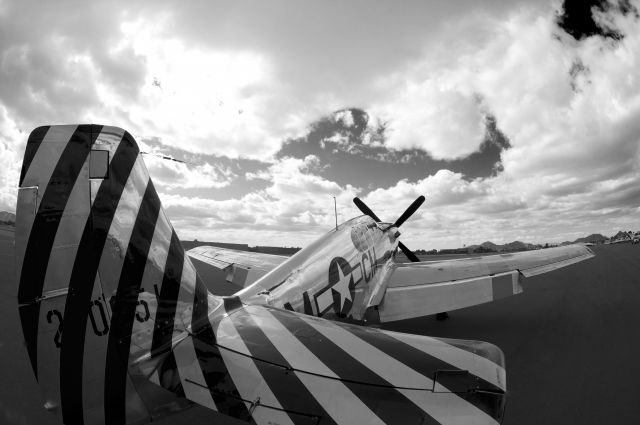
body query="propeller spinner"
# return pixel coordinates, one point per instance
(405, 215)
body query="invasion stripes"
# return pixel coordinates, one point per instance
(121, 228)
(350, 372)
(223, 390)
(113, 266)
(166, 310)
(356, 376)
(35, 139)
(124, 307)
(83, 276)
(421, 361)
(248, 379)
(341, 403)
(378, 352)
(290, 391)
(45, 226)
(65, 244)
(39, 175)
(193, 383)
(61, 260)
(459, 358)
(153, 274)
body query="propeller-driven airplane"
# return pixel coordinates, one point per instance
(120, 328)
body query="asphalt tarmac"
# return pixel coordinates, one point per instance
(570, 341)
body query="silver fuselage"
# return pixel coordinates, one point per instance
(339, 275)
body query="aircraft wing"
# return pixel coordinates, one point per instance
(430, 287)
(278, 366)
(241, 268)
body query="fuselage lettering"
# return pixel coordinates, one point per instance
(57, 339)
(97, 315)
(98, 330)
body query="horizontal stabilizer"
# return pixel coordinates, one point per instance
(284, 362)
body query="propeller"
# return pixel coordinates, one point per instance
(409, 211)
(365, 209)
(410, 255)
(404, 217)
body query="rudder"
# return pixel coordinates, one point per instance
(102, 275)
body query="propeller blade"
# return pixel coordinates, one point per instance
(365, 209)
(410, 255)
(409, 211)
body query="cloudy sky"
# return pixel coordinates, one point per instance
(517, 120)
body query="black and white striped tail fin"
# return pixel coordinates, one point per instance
(102, 275)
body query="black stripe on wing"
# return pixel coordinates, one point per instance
(427, 365)
(83, 277)
(123, 306)
(221, 386)
(292, 394)
(376, 393)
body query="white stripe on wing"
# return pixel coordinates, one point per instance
(247, 378)
(446, 408)
(461, 359)
(193, 383)
(338, 400)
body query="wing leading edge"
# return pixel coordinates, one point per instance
(420, 289)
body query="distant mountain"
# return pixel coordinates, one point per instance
(490, 246)
(622, 236)
(594, 238)
(516, 246)
(508, 247)
(7, 218)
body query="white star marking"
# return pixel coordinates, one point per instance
(342, 286)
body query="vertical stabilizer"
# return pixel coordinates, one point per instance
(103, 278)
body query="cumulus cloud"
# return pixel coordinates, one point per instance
(176, 175)
(443, 121)
(297, 203)
(345, 116)
(573, 152)
(573, 136)
(226, 81)
(223, 81)
(10, 159)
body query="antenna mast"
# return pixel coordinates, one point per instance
(335, 208)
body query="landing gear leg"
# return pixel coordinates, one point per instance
(442, 316)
